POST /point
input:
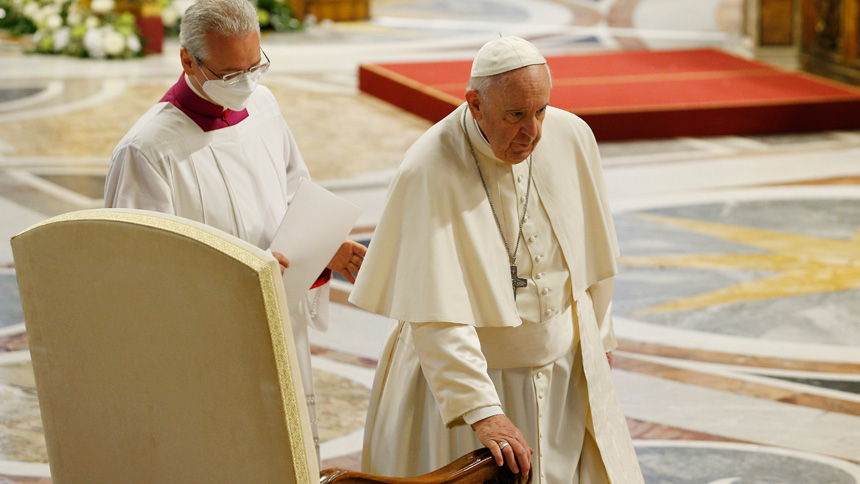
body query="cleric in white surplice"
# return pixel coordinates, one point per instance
(217, 150)
(495, 258)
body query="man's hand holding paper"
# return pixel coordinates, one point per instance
(347, 260)
(314, 228)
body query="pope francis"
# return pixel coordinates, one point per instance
(495, 257)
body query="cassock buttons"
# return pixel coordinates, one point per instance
(523, 199)
(539, 275)
(538, 258)
(545, 291)
(532, 238)
(548, 311)
(520, 179)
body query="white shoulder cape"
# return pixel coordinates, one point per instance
(436, 254)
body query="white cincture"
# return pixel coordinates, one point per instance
(313, 309)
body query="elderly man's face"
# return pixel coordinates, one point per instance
(511, 112)
(227, 55)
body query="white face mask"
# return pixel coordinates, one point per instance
(234, 96)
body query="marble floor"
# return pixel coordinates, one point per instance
(738, 299)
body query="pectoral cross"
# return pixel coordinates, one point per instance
(516, 281)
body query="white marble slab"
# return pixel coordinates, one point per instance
(628, 182)
(700, 409)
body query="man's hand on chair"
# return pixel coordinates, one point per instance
(506, 442)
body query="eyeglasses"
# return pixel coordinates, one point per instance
(234, 77)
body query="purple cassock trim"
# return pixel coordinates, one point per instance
(207, 115)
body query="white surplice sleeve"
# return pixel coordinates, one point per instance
(296, 168)
(455, 369)
(133, 181)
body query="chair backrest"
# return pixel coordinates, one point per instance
(162, 353)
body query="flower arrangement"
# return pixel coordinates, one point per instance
(93, 28)
(276, 15)
(170, 17)
(273, 15)
(63, 27)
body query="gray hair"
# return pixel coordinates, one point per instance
(482, 85)
(229, 18)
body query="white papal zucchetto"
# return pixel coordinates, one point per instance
(505, 54)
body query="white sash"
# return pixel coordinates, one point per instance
(530, 344)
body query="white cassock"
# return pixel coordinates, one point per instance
(179, 159)
(461, 347)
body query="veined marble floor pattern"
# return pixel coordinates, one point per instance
(737, 299)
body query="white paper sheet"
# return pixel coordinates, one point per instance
(315, 225)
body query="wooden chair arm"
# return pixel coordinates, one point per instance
(476, 467)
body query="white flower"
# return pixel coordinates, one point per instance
(74, 18)
(169, 16)
(40, 15)
(133, 43)
(61, 38)
(54, 22)
(91, 22)
(31, 10)
(74, 15)
(102, 6)
(49, 10)
(114, 42)
(94, 43)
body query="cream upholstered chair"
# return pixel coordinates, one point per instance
(162, 354)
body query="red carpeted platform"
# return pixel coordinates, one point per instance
(646, 94)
